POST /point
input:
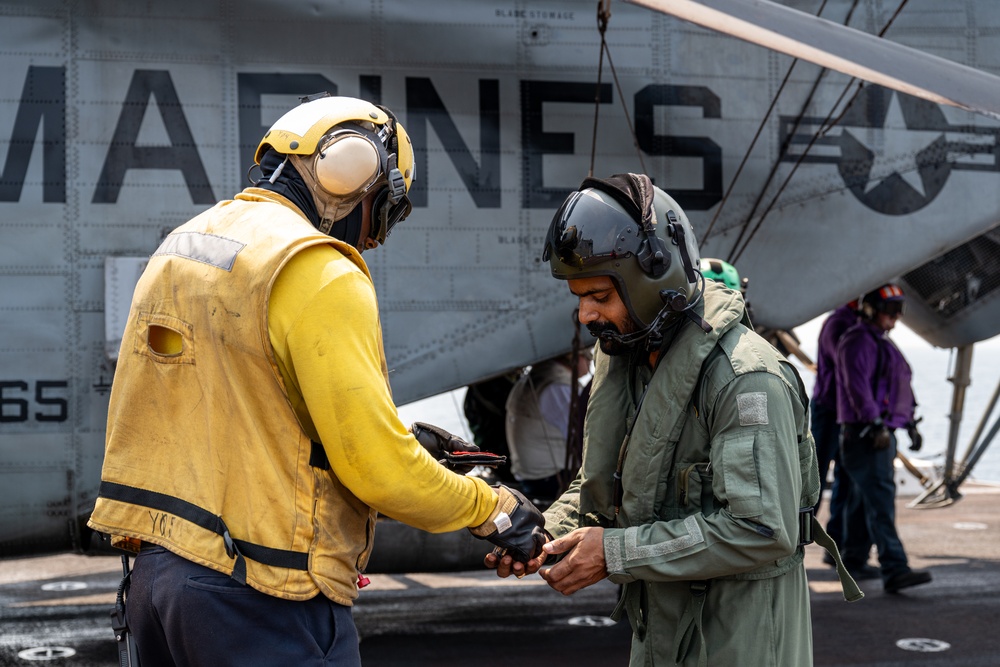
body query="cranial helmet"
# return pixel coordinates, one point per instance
(345, 148)
(888, 298)
(721, 271)
(626, 228)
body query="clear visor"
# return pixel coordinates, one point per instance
(586, 230)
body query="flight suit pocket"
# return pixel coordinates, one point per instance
(742, 481)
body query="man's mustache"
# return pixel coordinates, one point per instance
(597, 328)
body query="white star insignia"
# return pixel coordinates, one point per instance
(892, 148)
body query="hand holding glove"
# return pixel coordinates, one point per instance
(516, 526)
(453, 451)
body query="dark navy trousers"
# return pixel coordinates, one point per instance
(826, 433)
(185, 615)
(871, 507)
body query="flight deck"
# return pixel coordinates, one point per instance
(56, 609)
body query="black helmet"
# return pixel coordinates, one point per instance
(626, 228)
(888, 298)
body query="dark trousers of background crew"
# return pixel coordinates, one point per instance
(871, 508)
(185, 615)
(826, 433)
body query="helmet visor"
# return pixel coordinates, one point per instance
(586, 231)
(891, 307)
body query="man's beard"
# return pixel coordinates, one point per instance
(610, 346)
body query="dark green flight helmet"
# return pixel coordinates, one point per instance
(628, 229)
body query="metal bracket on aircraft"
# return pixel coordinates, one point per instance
(946, 490)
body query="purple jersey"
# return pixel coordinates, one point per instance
(825, 389)
(873, 378)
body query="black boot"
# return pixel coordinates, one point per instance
(897, 582)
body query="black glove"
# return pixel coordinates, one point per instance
(916, 440)
(878, 434)
(516, 526)
(882, 439)
(440, 443)
(459, 460)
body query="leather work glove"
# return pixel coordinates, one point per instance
(882, 438)
(878, 434)
(452, 451)
(916, 440)
(516, 526)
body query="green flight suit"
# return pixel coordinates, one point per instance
(717, 465)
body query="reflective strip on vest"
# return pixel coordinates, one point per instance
(206, 248)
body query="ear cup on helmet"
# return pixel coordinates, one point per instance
(347, 165)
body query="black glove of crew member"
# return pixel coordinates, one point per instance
(452, 451)
(878, 433)
(516, 526)
(882, 438)
(916, 440)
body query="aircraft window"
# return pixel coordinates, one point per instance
(164, 341)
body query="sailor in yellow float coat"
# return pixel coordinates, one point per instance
(322, 323)
(251, 428)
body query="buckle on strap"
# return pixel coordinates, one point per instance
(690, 629)
(227, 540)
(806, 525)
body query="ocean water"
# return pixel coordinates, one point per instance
(931, 369)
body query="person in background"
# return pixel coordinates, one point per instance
(874, 398)
(786, 342)
(723, 272)
(825, 429)
(538, 414)
(252, 437)
(698, 459)
(485, 409)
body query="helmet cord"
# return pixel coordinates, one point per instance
(277, 172)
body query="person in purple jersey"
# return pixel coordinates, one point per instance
(825, 429)
(874, 398)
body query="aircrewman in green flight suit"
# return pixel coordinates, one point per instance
(698, 469)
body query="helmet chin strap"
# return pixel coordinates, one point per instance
(675, 303)
(650, 333)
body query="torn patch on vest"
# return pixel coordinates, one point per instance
(752, 408)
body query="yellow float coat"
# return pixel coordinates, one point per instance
(252, 336)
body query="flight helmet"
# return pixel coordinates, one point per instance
(888, 298)
(721, 271)
(345, 148)
(626, 228)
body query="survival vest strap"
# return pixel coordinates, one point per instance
(238, 549)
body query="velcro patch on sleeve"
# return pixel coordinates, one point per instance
(752, 408)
